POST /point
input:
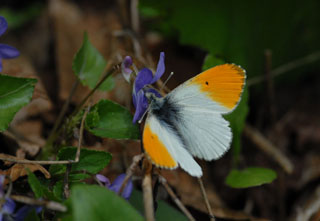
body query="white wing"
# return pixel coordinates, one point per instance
(173, 145)
(206, 134)
(201, 101)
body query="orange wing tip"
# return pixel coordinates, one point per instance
(223, 84)
(239, 69)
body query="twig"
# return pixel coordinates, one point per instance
(269, 86)
(134, 15)
(204, 195)
(108, 74)
(164, 182)
(46, 148)
(42, 162)
(63, 110)
(52, 205)
(264, 144)
(287, 67)
(50, 162)
(136, 159)
(310, 208)
(66, 190)
(135, 41)
(81, 134)
(147, 191)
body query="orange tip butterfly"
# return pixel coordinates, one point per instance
(188, 121)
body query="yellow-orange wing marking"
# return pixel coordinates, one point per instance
(223, 84)
(156, 150)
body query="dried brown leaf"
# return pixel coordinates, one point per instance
(19, 170)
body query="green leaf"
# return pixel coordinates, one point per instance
(40, 187)
(35, 184)
(88, 64)
(32, 216)
(164, 211)
(236, 118)
(14, 94)
(18, 18)
(91, 161)
(211, 61)
(110, 120)
(92, 202)
(249, 177)
(58, 189)
(230, 29)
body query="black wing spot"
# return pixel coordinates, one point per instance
(207, 83)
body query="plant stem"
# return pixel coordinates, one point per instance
(48, 148)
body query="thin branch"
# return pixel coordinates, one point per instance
(42, 162)
(204, 195)
(66, 189)
(63, 110)
(135, 15)
(287, 67)
(81, 134)
(84, 101)
(305, 212)
(164, 182)
(136, 44)
(147, 191)
(264, 144)
(52, 205)
(50, 162)
(50, 140)
(271, 113)
(135, 161)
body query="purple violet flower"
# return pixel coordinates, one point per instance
(125, 68)
(140, 87)
(116, 185)
(9, 206)
(6, 51)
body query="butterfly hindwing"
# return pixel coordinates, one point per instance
(206, 135)
(165, 148)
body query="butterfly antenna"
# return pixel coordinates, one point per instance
(164, 84)
(139, 121)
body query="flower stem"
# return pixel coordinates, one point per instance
(47, 150)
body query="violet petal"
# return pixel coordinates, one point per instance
(116, 185)
(141, 106)
(103, 179)
(143, 78)
(160, 69)
(0, 65)
(9, 206)
(125, 68)
(3, 25)
(25, 210)
(7, 51)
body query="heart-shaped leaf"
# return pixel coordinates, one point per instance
(14, 94)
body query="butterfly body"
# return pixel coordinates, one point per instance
(188, 121)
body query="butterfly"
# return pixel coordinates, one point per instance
(188, 121)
